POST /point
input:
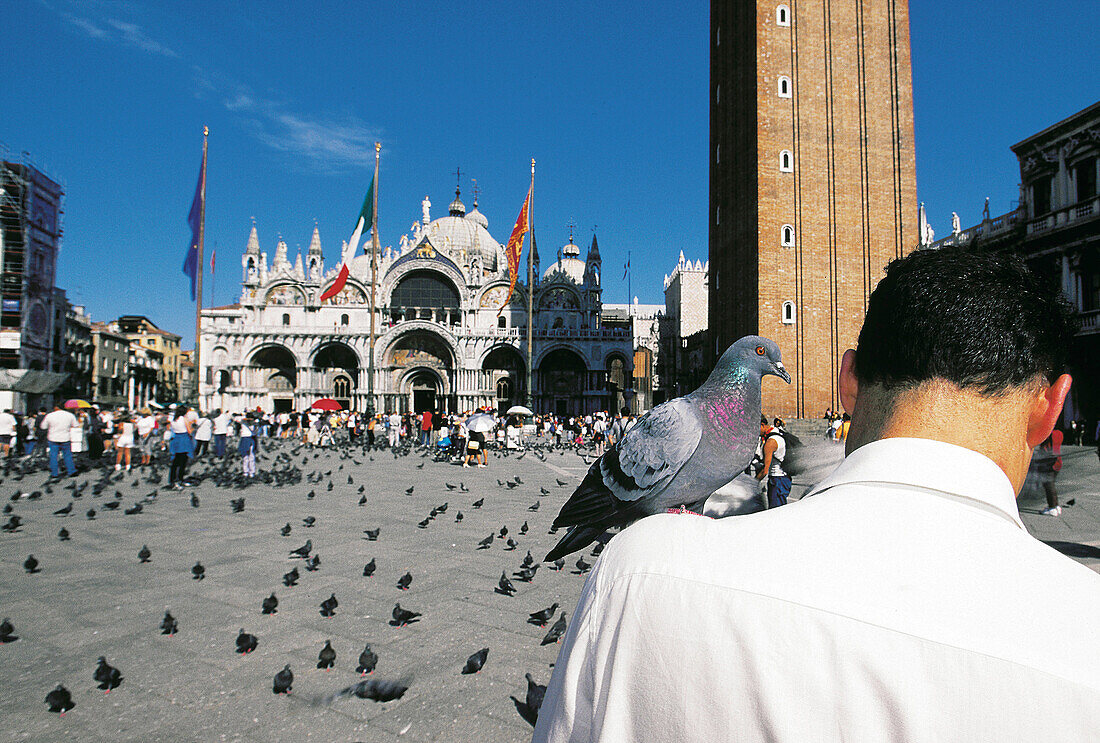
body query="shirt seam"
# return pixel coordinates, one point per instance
(747, 592)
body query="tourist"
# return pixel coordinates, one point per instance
(902, 598)
(125, 444)
(58, 427)
(180, 447)
(248, 445)
(204, 431)
(222, 419)
(372, 422)
(78, 433)
(40, 441)
(394, 429)
(146, 438)
(1045, 466)
(426, 428)
(773, 452)
(7, 431)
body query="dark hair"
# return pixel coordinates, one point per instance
(979, 320)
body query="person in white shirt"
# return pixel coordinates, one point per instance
(125, 443)
(144, 438)
(902, 598)
(204, 431)
(7, 431)
(395, 430)
(57, 425)
(222, 420)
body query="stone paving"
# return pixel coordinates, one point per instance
(93, 597)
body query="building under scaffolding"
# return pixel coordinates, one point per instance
(31, 338)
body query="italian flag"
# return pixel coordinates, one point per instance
(366, 217)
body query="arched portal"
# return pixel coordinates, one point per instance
(338, 368)
(421, 368)
(562, 379)
(505, 374)
(275, 369)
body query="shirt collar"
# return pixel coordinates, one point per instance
(932, 465)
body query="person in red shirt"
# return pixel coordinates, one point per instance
(425, 427)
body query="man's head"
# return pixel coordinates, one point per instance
(955, 336)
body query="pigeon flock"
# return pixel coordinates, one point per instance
(371, 513)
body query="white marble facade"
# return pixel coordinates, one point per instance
(439, 340)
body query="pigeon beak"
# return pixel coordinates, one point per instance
(781, 371)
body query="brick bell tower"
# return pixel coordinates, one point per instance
(812, 178)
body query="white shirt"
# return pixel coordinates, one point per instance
(146, 424)
(203, 430)
(7, 424)
(903, 600)
(57, 425)
(221, 424)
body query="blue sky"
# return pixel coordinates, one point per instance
(609, 98)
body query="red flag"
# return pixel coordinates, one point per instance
(515, 247)
(212, 254)
(341, 279)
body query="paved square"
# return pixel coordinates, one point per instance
(93, 597)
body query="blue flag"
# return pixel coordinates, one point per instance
(194, 219)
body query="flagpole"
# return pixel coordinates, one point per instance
(373, 281)
(200, 266)
(531, 297)
(629, 294)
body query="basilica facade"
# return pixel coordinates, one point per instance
(441, 341)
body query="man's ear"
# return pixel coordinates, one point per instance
(849, 385)
(1045, 409)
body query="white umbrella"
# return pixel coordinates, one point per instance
(519, 410)
(481, 422)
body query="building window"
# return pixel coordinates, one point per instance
(502, 322)
(286, 319)
(785, 161)
(344, 319)
(782, 16)
(424, 289)
(718, 215)
(784, 86)
(1040, 196)
(788, 313)
(717, 94)
(787, 236)
(717, 153)
(1085, 175)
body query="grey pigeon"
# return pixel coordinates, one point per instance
(377, 690)
(6, 631)
(169, 625)
(60, 700)
(326, 659)
(556, 631)
(107, 676)
(368, 659)
(246, 643)
(541, 617)
(476, 661)
(679, 452)
(529, 708)
(283, 681)
(270, 604)
(369, 568)
(144, 554)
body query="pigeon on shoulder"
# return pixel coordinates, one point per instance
(679, 452)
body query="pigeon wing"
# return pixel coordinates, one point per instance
(653, 451)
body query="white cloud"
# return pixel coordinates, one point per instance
(132, 34)
(85, 25)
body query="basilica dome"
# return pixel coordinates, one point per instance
(568, 263)
(454, 234)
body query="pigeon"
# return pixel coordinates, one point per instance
(458, 517)
(311, 494)
(512, 485)
(424, 524)
(309, 521)
(291, 578)
(144, 554)
(526, 574)
(679, 452)
(328, 606)
(246, 643)
(541, 617)
(462, 488)
(169, 625)
(503, 532)
(304, 550)
(368, 659)
(524, 529)
(582, 566)
(64, 511)
(107, 675)
(13, 524)
(134, 509)
(534, 506)
(561, 483)
(556, 631)
(326, 659)
(487, 542)
(597, 549)
(268, 605)
(198, 572)
(285, 531)
(374, 689)
(60, 700)
(313, 564)
(518, 481)
(372, 534)
(401, 617)
(450, 486)
(511, 545)
(237, 504)
(63, 535)
(405, 581)
(90, 514)
(478, 503)
(543, 491)
(529, 708)
(111, 505)
(528, 560)
(476, 661)
(194, 501)
(283, 681)
(6, 630)
(368, 569)
(410, 489)
(362, 500)
(504, 586)
(31, 564)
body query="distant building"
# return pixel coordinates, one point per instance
(80, 353)
(143, 383)
(30, 239)
(812, 178)
(188, 380)
(643, 322)
(449, 335)
(684, 360)
(110, 365)
(1056, 228)
(142, 330)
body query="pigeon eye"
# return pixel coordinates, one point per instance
(759, 350)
